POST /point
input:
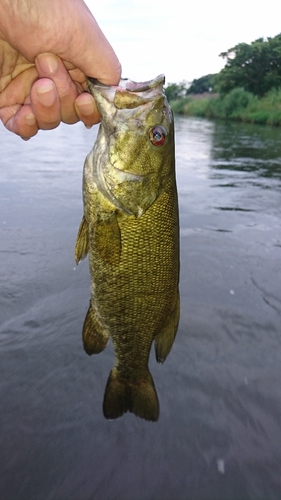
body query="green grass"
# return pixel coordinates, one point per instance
(236, 105)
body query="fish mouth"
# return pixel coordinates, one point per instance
(127, 94)
(130, 85)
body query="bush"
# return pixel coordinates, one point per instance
(275, 119)
(179, 105)
(196, 107)
(235, 100)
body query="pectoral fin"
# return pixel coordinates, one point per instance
(95, 337)
(164, 340)
(82, 241)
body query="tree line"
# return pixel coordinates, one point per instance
(255, 67)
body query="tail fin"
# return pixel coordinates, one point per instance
(139, 398)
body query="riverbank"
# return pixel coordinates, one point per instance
(238, 105)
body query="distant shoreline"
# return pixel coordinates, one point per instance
(238, 105)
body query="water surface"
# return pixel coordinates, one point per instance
(219, 432)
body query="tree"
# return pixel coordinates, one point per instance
(256, 67)
(203, 84)
(175, 91)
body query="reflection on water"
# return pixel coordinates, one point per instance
(245, 147)
(219, 433)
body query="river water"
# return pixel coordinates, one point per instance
(219, 432)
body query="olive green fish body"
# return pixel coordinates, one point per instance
(130, 230)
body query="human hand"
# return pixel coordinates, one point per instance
(46, 49)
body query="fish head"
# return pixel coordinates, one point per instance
(135, 146)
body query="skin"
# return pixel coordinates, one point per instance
(47, 47)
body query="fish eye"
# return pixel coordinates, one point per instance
(157, 135)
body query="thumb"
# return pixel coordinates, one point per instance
(92, 53)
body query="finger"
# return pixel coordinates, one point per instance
(86, 109)
(50, 66)
(20, 120)
(15, 110)
(17, 88)
(45, 104)
(93, 55)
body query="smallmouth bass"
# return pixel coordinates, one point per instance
(130, 229)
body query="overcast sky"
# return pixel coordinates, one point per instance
(181, 39)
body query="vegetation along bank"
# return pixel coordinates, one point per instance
(248, 88)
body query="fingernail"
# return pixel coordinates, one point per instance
(48, 63)
(46, 94)
(30, 119)
(86, 107)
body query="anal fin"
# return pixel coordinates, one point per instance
(165, 338)
(95, 337)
